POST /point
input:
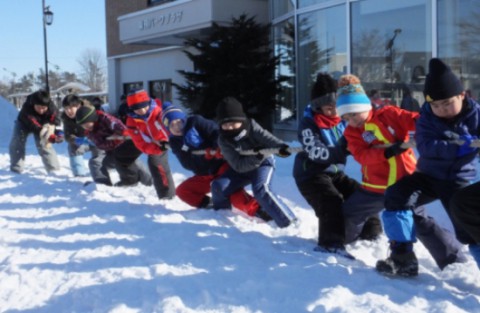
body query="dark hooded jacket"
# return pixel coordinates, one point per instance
(30, 120)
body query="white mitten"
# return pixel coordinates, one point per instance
(45, 133)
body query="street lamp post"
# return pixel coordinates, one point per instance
(47, 20)
(390, 48)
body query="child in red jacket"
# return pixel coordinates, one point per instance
(376, 139)
(145, 127)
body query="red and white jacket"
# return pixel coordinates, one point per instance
(148, 133)
(384, 126)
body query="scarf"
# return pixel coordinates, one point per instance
(323, 121)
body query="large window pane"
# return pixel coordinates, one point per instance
(284, 44)
(306, 3)
(161, 89)
(130, 87)
(391, 46)
(459, 40)
(281, 7)
(321, 48)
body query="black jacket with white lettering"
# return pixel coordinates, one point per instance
(324, 148)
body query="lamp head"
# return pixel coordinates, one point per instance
(48, 16)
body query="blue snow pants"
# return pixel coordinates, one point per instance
(261, 180)
(406, 196)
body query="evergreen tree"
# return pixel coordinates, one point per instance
(232, 61)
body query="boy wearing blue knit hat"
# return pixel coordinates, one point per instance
(188, 136)
(447, 125)
(377, 140)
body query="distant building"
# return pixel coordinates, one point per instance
(386, 43)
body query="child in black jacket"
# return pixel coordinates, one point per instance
(239, 133)
(318, 170)
(39, 117)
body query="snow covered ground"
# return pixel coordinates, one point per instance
(66, 248)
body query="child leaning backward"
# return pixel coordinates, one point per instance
(144, 125)
(447, 125)
(239, 133)
(188, 136)
(318, 170)
(375, 140)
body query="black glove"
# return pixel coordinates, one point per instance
(257, 150)
(283, 151)
(394, 150)
(163, 145)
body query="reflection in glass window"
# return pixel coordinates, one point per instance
(391, 46)
(306, 3)
(281, 7)
(459, 40)
(322, 47)
(284, 48)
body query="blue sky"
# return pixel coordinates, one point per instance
(77, 26)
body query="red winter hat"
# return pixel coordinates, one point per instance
(138, 100)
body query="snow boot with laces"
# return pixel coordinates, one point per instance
(401, 262)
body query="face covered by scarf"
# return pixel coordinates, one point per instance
(237, 133)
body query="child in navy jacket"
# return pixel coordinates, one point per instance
(447, 125)
(193, 134)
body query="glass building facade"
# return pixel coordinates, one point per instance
(387, 43)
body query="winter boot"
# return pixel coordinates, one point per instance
(263, 215)
(402, 261)
(372, 229)
(123, 183)
(475, 252)
(336, 248)
(206, 203)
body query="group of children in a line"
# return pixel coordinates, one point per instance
(340, 120)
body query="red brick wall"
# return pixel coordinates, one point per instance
(114, 9)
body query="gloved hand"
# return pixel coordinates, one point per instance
(163, 145)
(56, 137)
(394, 150)
(258, 154)
(213, 154)
(466, 147)
(82, 141)
(283, 151)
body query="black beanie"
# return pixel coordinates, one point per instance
(440, 82)
(40, 97)
(86, 114)
(323, 85)
(229, 110)
(323, 91)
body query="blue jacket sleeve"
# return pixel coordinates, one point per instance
(431, 141)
